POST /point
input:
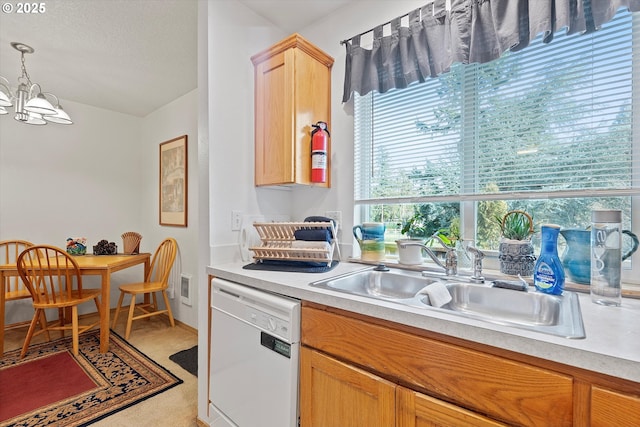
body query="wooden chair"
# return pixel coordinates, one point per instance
(55, 282)
(157, 280)
(12, 289)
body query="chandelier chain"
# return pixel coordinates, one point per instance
(25, 74)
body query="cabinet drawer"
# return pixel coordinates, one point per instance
(504, 389)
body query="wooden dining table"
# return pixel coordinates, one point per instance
(90, 265)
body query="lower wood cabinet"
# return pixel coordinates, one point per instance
(366, 372)
(333, 393)
(610, 408)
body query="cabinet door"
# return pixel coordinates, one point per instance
(333, 394)
(419, 410)
(609, 408)
(274, 148)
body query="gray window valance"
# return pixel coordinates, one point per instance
(448, 31)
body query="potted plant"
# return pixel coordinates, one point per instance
(516, 250)
(418, 228)
(415, 229)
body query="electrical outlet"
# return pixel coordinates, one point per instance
(336, 216)
(236, 220)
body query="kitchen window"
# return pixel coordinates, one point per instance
(548, 129)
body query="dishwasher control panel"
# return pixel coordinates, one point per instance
(275, 344)
(269, 323)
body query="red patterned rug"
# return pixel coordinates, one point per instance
(52, 387)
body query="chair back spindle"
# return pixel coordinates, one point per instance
(162, 262)
(9, 251)
(50, 277)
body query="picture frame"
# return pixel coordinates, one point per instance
(173, 182)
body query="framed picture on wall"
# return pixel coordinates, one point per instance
(173, 182)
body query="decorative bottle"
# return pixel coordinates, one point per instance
(548, 274)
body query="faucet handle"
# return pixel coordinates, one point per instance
(437, 237)
(451, 262)
(477, 263)
(451, 257)
(477, 253)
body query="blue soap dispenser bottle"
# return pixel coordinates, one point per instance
(548, 274)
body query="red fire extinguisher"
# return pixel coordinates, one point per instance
(319, 143)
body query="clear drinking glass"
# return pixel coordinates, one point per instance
(464, 258)
(606, 257)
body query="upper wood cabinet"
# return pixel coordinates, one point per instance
(292, 92)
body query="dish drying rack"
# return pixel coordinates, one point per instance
(277, 237)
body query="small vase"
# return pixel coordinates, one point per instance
(409, 255)
(516, 257)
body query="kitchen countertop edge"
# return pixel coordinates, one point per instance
(612, 345)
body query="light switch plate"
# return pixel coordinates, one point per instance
(236, 220)
(337, 217)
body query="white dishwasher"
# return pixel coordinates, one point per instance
(255, 340)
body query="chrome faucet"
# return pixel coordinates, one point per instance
(450, 265)
(477, 255)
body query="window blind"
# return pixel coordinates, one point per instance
(549, 121)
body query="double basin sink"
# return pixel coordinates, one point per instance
(551, 314)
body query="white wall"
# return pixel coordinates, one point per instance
(235, 33)
(175, 119)
(97, 178)
(81, 180)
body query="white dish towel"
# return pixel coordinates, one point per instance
(306, 244)
(438, 294)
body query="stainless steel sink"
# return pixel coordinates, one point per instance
(522, 307)
(554, 314)
(396, 286)
(535, 311)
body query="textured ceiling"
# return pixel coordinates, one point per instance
(130, 56)
(122, 55)
(293, 15)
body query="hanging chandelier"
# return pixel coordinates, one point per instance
(31, 104)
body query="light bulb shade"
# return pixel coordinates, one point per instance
(3, 111)
(39, 104)
(4, 99)
(60, 117)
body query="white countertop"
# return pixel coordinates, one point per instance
(611, 346)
